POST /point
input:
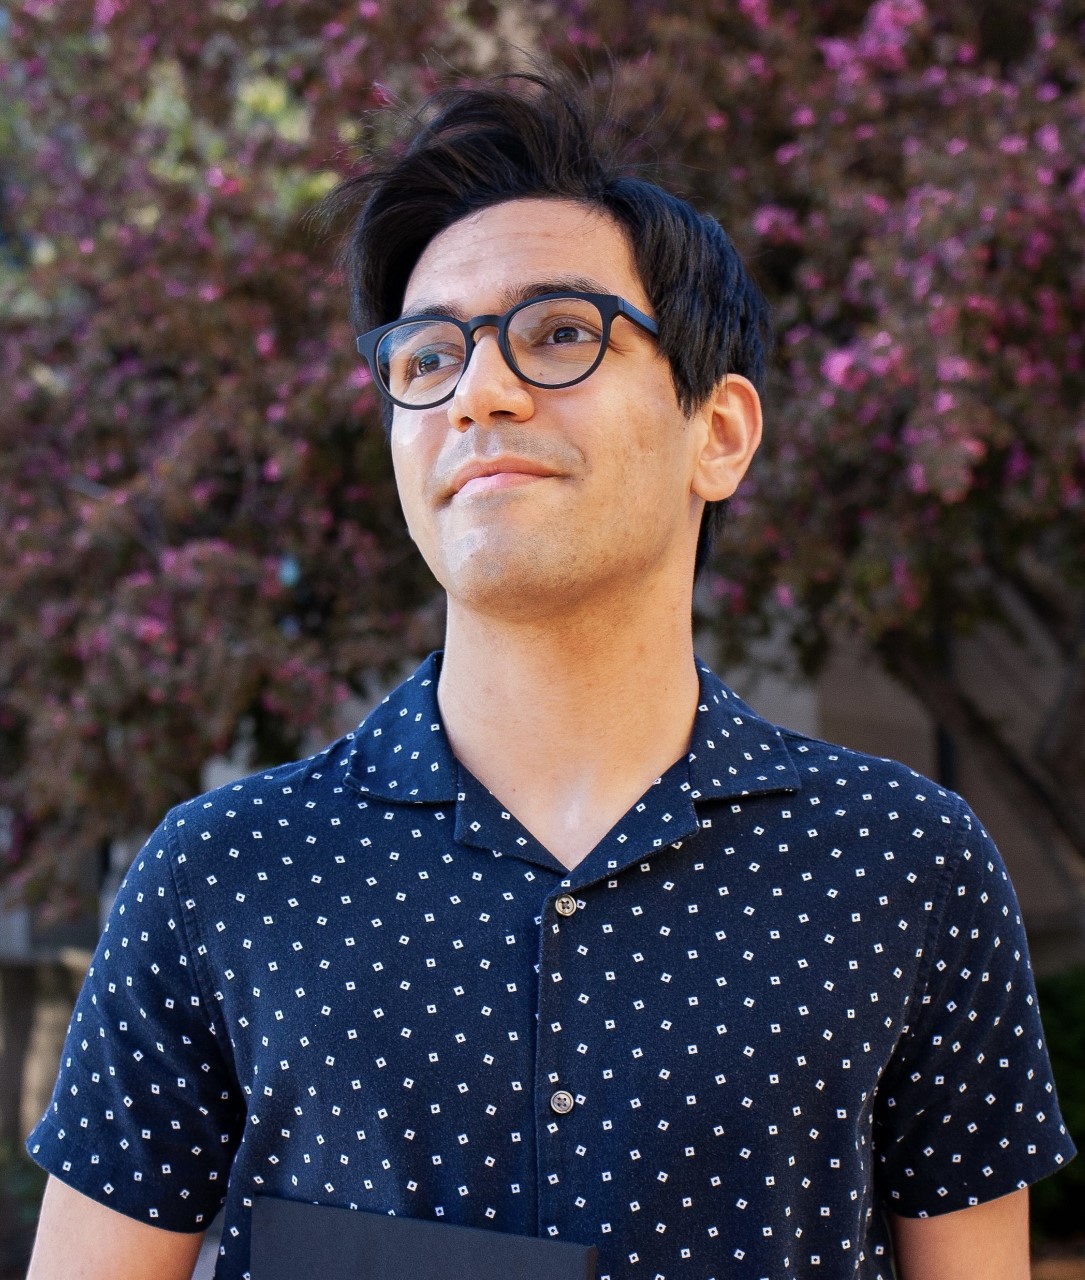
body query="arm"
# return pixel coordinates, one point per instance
(989, 1240)
(80, 1239)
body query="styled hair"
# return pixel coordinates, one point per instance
(530, 135)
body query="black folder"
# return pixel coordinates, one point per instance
(294, 1240)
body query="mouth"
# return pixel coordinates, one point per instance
(497, 474)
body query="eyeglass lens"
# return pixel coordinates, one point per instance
(552, 342)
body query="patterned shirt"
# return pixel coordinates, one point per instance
(788, 989)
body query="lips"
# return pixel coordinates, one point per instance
(484, 475)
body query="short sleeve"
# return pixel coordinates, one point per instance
(966, 1111)
(146, 1114)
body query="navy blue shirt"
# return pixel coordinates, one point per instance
(788, 990)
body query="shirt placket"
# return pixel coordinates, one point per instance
(561, 1087)
(566, 1121)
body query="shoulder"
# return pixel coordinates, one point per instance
(882, 812)
(828, 772)
(279, 816)
(892, 817)
(822, 798)
(269, 805)
(820, 772)
(820, 763)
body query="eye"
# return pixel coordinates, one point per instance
(571, 333)
(431, 361)
(419, 356)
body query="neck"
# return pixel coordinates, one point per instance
(569, 719)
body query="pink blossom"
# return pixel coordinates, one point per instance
(105, 11)
(837, 53)
(953, 368)
(1047, 137)
(886, 31)
(756, 10)
(150, 629)
(775, 223)
(1013, 144)
(836, 366)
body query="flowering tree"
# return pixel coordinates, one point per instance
(910, 184)
(202, 540)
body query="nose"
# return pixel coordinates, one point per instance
(488, 390)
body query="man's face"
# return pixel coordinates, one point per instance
(592, 484)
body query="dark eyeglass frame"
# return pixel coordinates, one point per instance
(609, 306)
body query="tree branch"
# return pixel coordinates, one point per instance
(1045, 594)
(1061, 745)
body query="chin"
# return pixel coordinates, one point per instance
(511, 581)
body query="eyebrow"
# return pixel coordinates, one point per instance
(510, 297)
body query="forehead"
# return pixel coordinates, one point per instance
(471, 264)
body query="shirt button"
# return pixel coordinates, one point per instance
(565, 905)
(561, 1101)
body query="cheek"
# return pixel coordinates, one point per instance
(656, 441)
(409, 467)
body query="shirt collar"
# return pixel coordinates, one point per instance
(400, 750)
(733, 752)
(401, 753)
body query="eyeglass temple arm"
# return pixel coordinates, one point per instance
(638, 317)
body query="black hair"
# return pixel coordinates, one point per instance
(530, 135)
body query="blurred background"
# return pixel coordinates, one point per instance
(203, 567)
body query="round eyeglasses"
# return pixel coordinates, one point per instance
(553, 340)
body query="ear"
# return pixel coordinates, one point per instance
(731, 432)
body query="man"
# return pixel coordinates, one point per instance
(564, 940)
